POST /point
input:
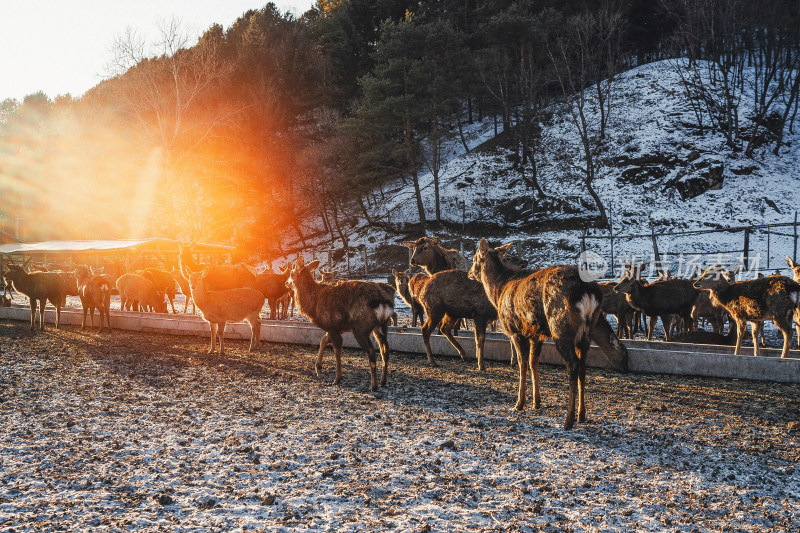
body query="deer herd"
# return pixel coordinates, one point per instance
(531, 305)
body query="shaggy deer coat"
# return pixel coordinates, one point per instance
(550, 303)
(218, 277)
(228, 305)
(135, 290)
(39, 287)
(95, 293)
(361, 307)
(660, 299)
(773, 298)
(273, 287)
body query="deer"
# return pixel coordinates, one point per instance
(403, 283)
(218, 307)
(616, 304)
(39, 287)
(163, 281)
(273, 287)
(550, 303)
(660, 298)
(219, 277)
(796, 277)
(183, 283)
(361, 307)
(773, 298)
(95, 293)
(135, 290)
(434, 258)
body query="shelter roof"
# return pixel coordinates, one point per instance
(107, 246)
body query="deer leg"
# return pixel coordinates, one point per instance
(323, 343)
(513, 354)
(381, 334)
(480, 340)
(583, 351)
(567, 350)
(755, 329)
(172, 304)
(33, 303)
(741, 325)
(651, 326)
(222, 337)
(83, 322)
(427, 329)
(42, 304)
(446, 328)
(363, 341)
(213, 337)
(536, 350)
(522, 345)
(255, 331)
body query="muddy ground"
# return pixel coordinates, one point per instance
(135, 431)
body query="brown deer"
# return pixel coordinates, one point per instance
(273, 287)
(448, 297)
(183, 283)
(135, 290)
(219, 307)
(95, 293)
(163, 281)
(796, 277)
(773, 298)
(551, 303)
(434, 259)
(39, 287)
(361, 307)
(616, 304)
(659, 299)
(403, 284)
(218, 277)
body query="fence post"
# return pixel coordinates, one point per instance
(611, 238)
(582, 264)
(656, 256)
(746, 251)
(794, 253)
(768, 239)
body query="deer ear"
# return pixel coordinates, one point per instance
(409, 244)
(312, 266)
(395, 272)
(789, 262)
(435, 240)
(300, 263)
(736, 270)
(504, 249)
(483, 246)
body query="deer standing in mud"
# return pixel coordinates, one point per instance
(361, 307)
(551, 303)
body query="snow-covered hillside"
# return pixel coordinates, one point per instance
(651, 147)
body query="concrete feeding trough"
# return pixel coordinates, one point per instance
(644, 356)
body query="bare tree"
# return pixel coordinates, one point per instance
(167, 88)
(576, 54)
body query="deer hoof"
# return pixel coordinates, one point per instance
(519, 407)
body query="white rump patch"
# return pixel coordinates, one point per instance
(384, 312)
(587, 306)
(794, 296)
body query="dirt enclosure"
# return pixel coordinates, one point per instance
(136, 431)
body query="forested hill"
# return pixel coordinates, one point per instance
(368, 122)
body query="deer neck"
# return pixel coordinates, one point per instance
(494, 277)
(305, 292)
(438, 264)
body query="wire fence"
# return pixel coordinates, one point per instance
(757, 248)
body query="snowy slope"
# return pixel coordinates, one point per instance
(650, 120)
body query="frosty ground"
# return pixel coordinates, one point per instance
(142, 431)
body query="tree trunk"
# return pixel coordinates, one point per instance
(412, 165)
